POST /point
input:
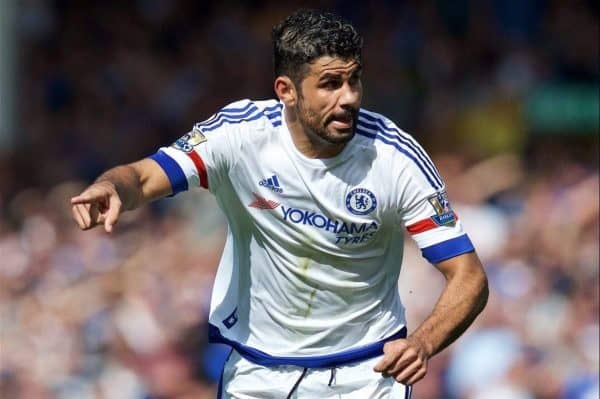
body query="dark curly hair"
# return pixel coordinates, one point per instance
(307, 35)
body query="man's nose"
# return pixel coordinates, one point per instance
(350, 95)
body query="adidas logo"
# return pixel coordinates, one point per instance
(263, 203)
(271, 183)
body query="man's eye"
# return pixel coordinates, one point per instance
(331, 84)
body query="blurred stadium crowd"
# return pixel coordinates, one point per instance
(86, 315)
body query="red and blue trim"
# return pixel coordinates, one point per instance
(448, 249)
(176, 174)
(425, 225)
(173, 170)
(200, 167)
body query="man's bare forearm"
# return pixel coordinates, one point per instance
(119, 189)
(464, 297)
(127, 183)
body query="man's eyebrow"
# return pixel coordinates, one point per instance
(331, 74)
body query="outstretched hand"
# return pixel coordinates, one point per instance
(98, 204)
(405, 360)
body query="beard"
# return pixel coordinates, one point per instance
(314, 125)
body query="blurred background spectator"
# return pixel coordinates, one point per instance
(504, 95)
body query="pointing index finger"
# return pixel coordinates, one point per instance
(80, 199)
(90, 195)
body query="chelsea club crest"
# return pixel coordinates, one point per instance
(361, 201)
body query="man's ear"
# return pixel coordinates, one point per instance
(286, 91)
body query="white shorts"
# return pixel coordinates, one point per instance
(245, 380)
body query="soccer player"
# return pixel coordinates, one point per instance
(317, 192)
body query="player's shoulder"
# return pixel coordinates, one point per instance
(269, 106)
(396, 147)
(272, 111)
(380, 131)
(246, 104)
(374, 125)
(242, 114)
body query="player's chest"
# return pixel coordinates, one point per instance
(324, 207)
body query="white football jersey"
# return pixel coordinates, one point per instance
(309, 272)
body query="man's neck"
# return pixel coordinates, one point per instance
(308, 143)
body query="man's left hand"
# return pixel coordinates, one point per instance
(405, 360)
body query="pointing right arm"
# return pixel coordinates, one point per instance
(191, 161)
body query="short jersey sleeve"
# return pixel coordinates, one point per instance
(425, 210)
(205, 155)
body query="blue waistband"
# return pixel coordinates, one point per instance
(333, 360)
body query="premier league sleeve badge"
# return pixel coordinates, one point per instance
(444, 215)
(189, 140)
